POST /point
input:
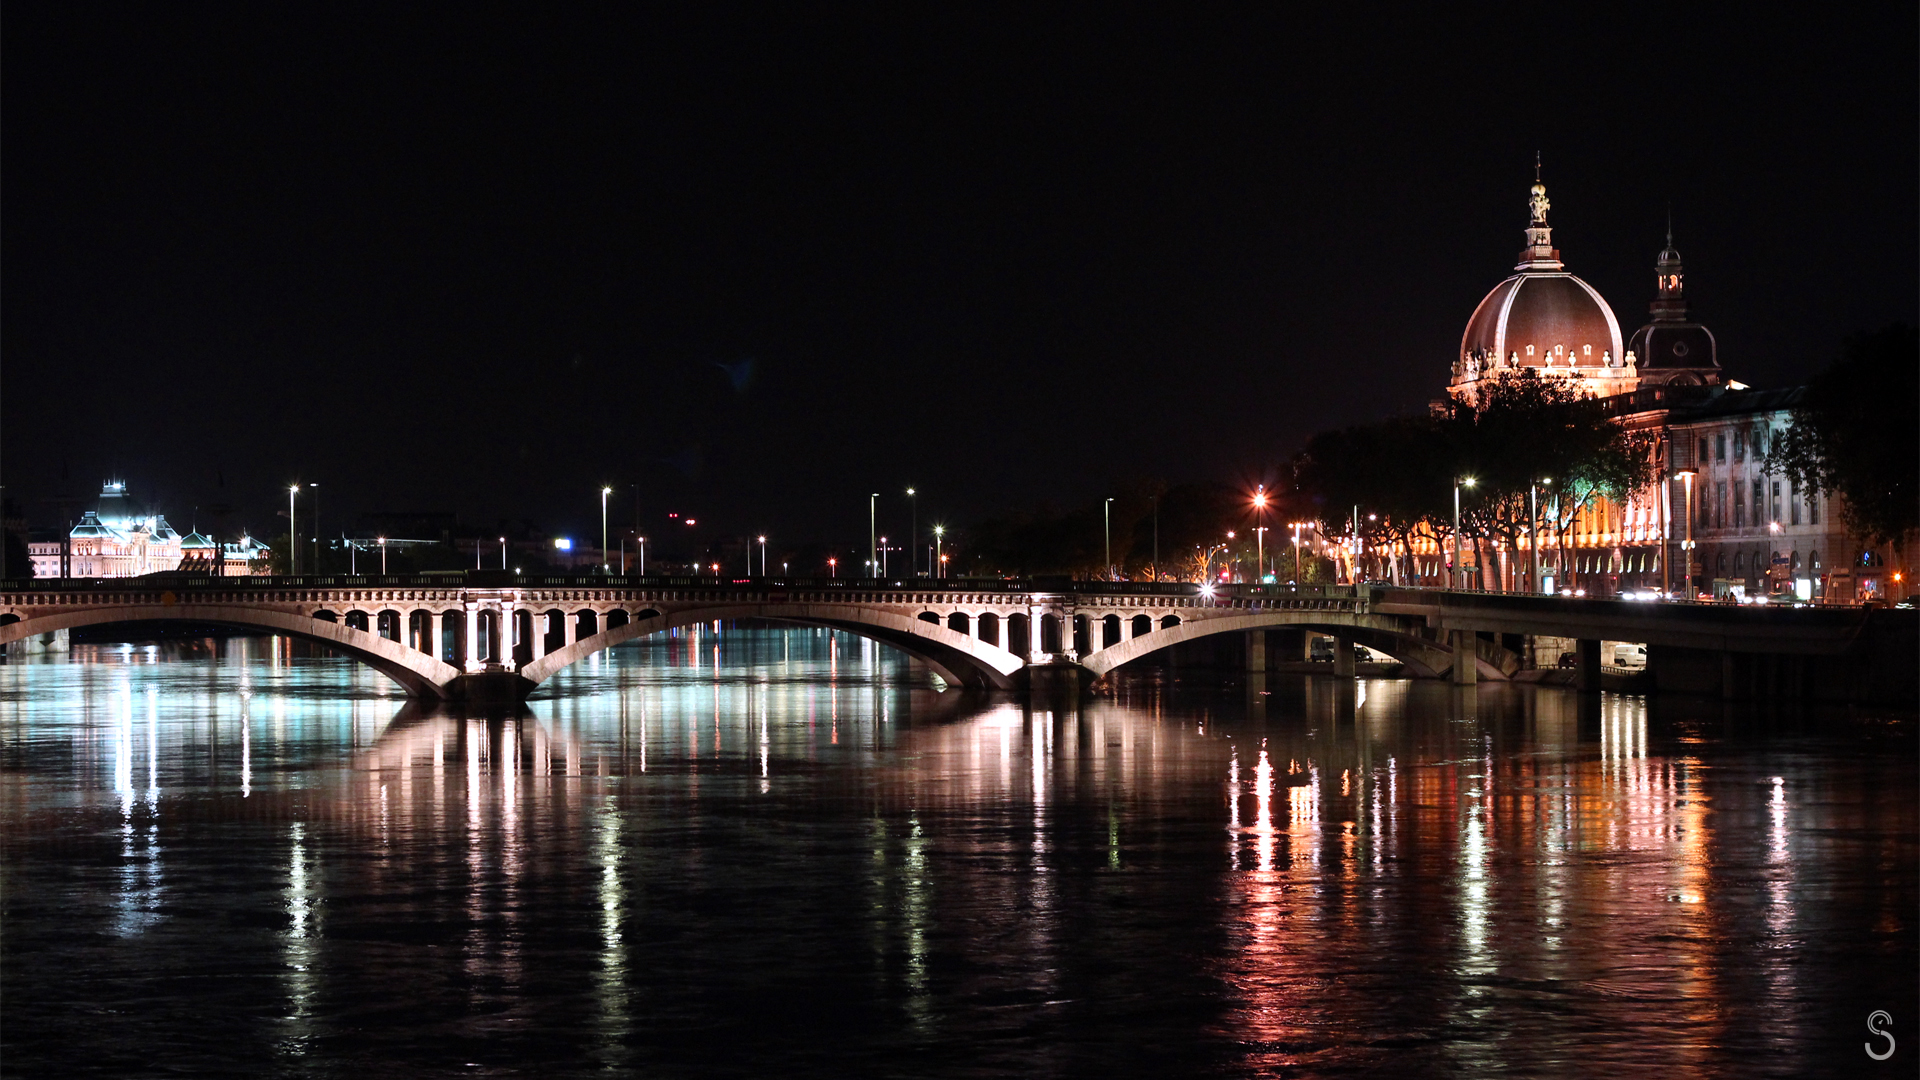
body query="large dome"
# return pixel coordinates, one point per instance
(1545, 320)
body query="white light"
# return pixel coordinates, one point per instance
(562, 543)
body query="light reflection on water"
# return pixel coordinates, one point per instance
(731, 850)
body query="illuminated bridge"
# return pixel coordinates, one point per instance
(495, 635)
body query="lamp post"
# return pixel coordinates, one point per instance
(1459, 571)
(1686, 583)
(833, 567)
(383, 555)
(1259, 531)
(939, 560)
(503, 553)
(763, 556)
(882, 565)
(1156, 538)
(873, 545)
(604, 566)
(316, 526)
(1296, 525)
(1533, 527)
(1106, 515)
(643, 554)
(913, 535)
(293, 533)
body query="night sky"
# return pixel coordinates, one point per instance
(764, 265)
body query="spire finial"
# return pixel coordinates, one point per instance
(1669, 226)
(1536, 166)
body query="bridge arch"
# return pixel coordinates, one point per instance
(956, 658)
(1425, 658)
(418, 673)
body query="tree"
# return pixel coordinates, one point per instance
(1854, 435)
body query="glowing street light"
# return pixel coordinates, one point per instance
(643, 554)
(940, 560)
(763, 557)
(882, 565)
(1260, 531)
(604, 567)
(833, 567)
(1686, 475)
(293, 534)
(1459, 571)
(383, 555)
(913, 534)
(503, 553)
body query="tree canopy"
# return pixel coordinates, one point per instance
(1854, 435)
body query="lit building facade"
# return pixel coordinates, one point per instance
(1753, 533)
(112, 541)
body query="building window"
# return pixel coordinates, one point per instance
(1793, 503)
(1760, 442)
(1813, 508)
(1720, 504)
(1703, 449)
(1739, 499)
(1775, 502)
(1739, 446)
(1720, 446)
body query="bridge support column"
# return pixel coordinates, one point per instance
(537, 631)
(1464, 647)
(474, 664)
(1343, 656)
(1586, 671)
(1256, 650)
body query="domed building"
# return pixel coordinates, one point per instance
(1671, 351)
(1714, 522)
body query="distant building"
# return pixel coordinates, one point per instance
(1753, 533)
(112, 541)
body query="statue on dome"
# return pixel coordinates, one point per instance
(1538, 201)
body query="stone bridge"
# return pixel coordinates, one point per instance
(494, 635)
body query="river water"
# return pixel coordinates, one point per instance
(776, 853)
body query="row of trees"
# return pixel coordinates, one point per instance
(1525, 434)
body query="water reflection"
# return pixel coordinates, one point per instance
(757, 848)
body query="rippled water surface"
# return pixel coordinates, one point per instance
(775, 853)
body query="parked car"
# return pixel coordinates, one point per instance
(1322, 650)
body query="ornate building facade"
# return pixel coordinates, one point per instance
(113, 541)
(1751, 533)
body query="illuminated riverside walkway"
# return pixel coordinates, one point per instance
(495, 635)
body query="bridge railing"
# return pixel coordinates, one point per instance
(507, 579)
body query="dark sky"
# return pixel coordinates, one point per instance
(765, 265)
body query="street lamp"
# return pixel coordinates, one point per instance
(913, 534)
(1296, 526)
(643, 554)
(1259, 531)
(383, 555)
(833, 567)
(503, 553)
(882, 565)
(1459, 571)
(1533, 526)
(1686, 583)
(604, 567)
(1106, 511)
(763, 556)
(940, 560)
(293, 534)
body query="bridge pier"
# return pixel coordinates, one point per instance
(1465, 644)
(1256, 651)
(1586, 671)
(1343, 655)
(489, 688)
